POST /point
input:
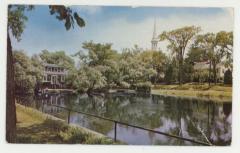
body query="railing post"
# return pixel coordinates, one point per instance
(115, 131)
(69, 111)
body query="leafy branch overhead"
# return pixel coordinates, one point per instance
(17, 17)
(64, 13)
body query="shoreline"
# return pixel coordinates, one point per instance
(28, 117)
(204, 95)
(215, 93)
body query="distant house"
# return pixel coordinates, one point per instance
(221, 68)
(53, 76)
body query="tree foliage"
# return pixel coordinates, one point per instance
(58, 57)
(179, 40)
(17, 19)
(27, 72)
(216, 47)
(228, 77)
(66, 15)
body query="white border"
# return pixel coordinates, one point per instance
(235, 147)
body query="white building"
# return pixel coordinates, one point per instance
(154, 38)
(221, 68)
(53, 76)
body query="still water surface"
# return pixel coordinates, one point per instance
(186, 117)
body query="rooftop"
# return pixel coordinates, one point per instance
(51, 65)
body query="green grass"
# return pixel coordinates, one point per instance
(36, 127)
(214, 92)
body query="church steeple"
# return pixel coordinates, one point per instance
(154, 38)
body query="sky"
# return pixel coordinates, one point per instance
(122, 26)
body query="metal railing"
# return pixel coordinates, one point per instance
(134, 126)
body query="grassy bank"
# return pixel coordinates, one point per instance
(214, 92)
(36, 127)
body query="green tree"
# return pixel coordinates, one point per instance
(216, 46)
(154, 61)
(26, 75)
(193, 55)
(136, 67)
(91, 79)
(58, 58)
(228, 77)
(178, 40)
(170, 71)
(16, 25)
(101, 57)
(37, 67)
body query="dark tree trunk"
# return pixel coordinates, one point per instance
(180, 70)
(10, 106)
(209, 74)
(215, 72)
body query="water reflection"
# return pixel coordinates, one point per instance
(191, 118)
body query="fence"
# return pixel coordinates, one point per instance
(134, 126)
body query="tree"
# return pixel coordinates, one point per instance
(135, 66)
(16, 25)
(170, 72)
(26, 72)
(90, 79)
(58, 58)
(216, 46)
(101, 57)
(228, 77)
(154, 61)
(194, 55)
(178, 40)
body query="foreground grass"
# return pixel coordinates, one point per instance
(214, 92)
(36, 127)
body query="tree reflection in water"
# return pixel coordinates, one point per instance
(176, 115)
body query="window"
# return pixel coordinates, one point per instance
(59, 78)
(49, 78)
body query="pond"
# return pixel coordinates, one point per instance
(191, 118)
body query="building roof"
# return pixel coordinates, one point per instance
(51, 65)
(205, 65)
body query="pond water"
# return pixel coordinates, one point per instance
(186, 117)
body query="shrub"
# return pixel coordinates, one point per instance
(93, 140)
(73, 135)
(228, 77)
(124, 84)
(143, 87)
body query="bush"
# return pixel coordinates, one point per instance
(93, 140)
(143, 87)
(228, 77)
(124, 84)
(73, 135)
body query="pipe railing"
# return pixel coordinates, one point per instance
(134, 126)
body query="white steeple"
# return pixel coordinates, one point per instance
(154, 38)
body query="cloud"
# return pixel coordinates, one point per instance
(229, 11)
(90, 9)
(123, 33)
